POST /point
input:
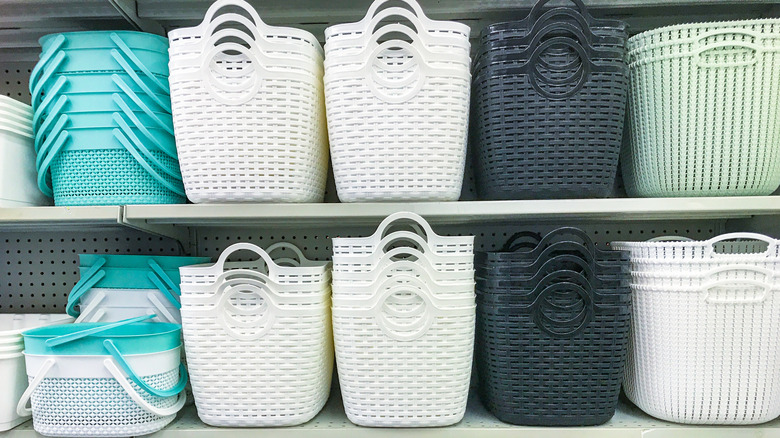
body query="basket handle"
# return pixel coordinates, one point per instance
(246, 7)
(51, 137)
(249, 87)
(51, 69)
(55, 90)
(80, 289)
(128, 52)
(21, 408)
(131, 147)
(709, 249)
(131, 136)
(136, 397)
(244, 246)
(137, 100)
(582, 73)
(416, 219)
(171, 152)
(117, 355)
(43, 170)
(299, 257)
(266, 318)
(512, 243)
(563, 329)
(163, 276)
(162, 287)
(700, 48)
(579, 7)
(93, 312)
(160, 310)
(54, 114)
(670, 239)
(46, 56)
(164, 104)
(768, 273)
(765, 288)
(70, 337)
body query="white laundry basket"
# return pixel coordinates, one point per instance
(18, 175)
(397, 111)
(119, 379)
(259, 352)
(701, 106)
(250, 127)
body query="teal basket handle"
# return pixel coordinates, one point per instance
(117, 355)
(80, 289)
(43, 170)
(51, 69)
(137, 79)
(55, 91)
(54, 133)
(131, 136)
(167, 125)
(166, 106)
(54, 114)
(44, 60)
(70, 337)
(179, 190)
(168, 150)
(164, 289)
(163, 276)
(128, 52)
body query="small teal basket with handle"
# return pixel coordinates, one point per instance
(104, 379)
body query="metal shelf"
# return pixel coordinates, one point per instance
(294, 215)
(58, 218)
(332, 423)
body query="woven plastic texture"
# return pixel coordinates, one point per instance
(551, 345)
(108, 177)
(259, 353)
(81, 407)
(249, 127)
(404, 333)
(549, 96)
(397, 111)
(727, 72)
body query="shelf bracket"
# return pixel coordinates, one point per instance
(183, 235)
(129, 10)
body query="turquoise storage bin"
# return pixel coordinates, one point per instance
(134, 338)
(104, 39)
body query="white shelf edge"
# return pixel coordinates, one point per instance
(60, 216)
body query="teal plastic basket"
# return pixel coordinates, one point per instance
(104, 39)
(92, 88)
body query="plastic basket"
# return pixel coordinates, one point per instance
(725, 147)
(706, 355)
(249, 127)
(260, 353)
(397, 118)
(547, 115)
(18, 179)
(114, 379)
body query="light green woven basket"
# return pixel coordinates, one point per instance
(704, 105)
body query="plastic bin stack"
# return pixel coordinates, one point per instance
(397, 106)
(403, 324)
(249, 110)
(549, 98)
(12, 368)
(704, 346)
(18, 187)
(700, 103)
(102, 120)
(258, 337)
(118, 287)
(119, 379)
(552, 329)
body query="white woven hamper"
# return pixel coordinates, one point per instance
(259, 353)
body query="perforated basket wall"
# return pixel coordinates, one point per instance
(99, 407)
(703, 118)
(109, 177)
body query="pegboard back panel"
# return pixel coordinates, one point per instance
(14, 80)
(39, 269)
(315, 241)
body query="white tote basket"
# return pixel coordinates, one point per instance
(404, 355)
(77, 396)
(397, 111)
(402, 221)
(249, 127)
(706, 355)
(257, 357)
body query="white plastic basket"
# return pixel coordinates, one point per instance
(706, 355)
(257, 356)
(18, 174)
(404, 355)
(106, 305)
(250, 127)
(715, 137)
(403, 221)
(397, 111)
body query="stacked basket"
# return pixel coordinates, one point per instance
(397, 110)
(18, 187)
(549, 97)
(701, 110)
(102, 120)
(248, 109)
(258, 338)
(118, 287)
(403, 324)
(552, 329)
(706, 316)
(117, 379)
